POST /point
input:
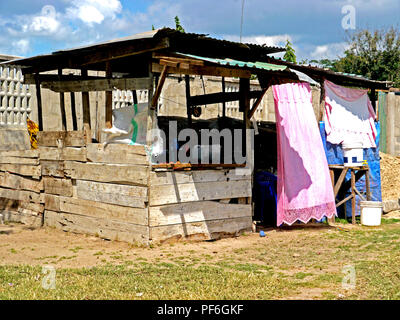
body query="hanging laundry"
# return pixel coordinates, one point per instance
(304, 185)
(349, 116)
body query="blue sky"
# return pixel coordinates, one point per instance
(30, 27)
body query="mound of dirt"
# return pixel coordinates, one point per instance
(390, 177)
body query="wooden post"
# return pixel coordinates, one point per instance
(373, 98)
(244, 106)
(353, 199)
(73, 112)
(86, 110)
(62, 106)
(322, 101)
(109, 97)
(223, 103)
(332, 174)
(188, 106)
(39, 102)
(367, 185)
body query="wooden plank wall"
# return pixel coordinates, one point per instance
(110, 192)
(199, 205)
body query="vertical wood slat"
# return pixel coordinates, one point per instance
(353, 200)
(62, 107)
(86, 111)
(223, 103)
(39, 102)
(73, 112)
(109, 97)
(188, 107)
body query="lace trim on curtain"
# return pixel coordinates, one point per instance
(304, 215)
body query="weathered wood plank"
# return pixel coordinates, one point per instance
(52, 168)
(22, 195)
(20, 154)
(13, 181)
(178, 177)
(62, 187)
(67, 153)
(178, 193)
(14, 205)
(117, 173)
(98, 85)
(18, 160)
(103, 228)
(24, 170)
(96, 209)
(130, 196)
(205, 230)
(196, 212)
(61, 139)
(117, 154)
(25, 217)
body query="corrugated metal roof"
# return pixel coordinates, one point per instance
(238, 63)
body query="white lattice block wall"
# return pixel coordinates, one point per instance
(15, 97)
(122, 99)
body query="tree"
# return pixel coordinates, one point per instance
(178, 25)
(290, 54)
(375, 55)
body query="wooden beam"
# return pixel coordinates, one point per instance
(39, 103)
(105, 84)
(220, 97)
(322, 100)
(206, 71)
(30, 78)
(188, 106)
(159, 87)
(257, 103)
(62, 105)
(109, 97)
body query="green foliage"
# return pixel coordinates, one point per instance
(178, 25)
(290, 54)
(375, 55)
(152, 27)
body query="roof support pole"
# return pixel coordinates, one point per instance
(223, 103)
(73, 112)
(244, 106)
(373, 98)
(62, 106)
(39, 102)
(109, 97)
(322, 101)
(188, 106)
(160, 85)
(257, 103)
(86, 110)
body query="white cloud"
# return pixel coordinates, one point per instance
(329, 51)
(46, 22)
(21, 46)
(94, 11)
(271, 41)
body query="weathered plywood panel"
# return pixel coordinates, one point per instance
(13, 181)
(25, 170)
(117, 154)
(52, 168)
(62, 187)
(178, 177)
(27, 196)
(196, 212)
(97, 209)
(123, 174)
(131, 196)
(205, 230)
(67, 153)
(103, 228)
(187, 192)
(61, 138)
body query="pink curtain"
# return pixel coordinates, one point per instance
(304, 186)
(349, 116)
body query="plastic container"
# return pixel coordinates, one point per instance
(371, 213)
(353, 154)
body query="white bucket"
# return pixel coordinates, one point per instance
(353, 154)
(371, 213)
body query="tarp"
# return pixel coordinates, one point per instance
(334, 154)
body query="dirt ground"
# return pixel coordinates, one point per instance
(22, 245)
